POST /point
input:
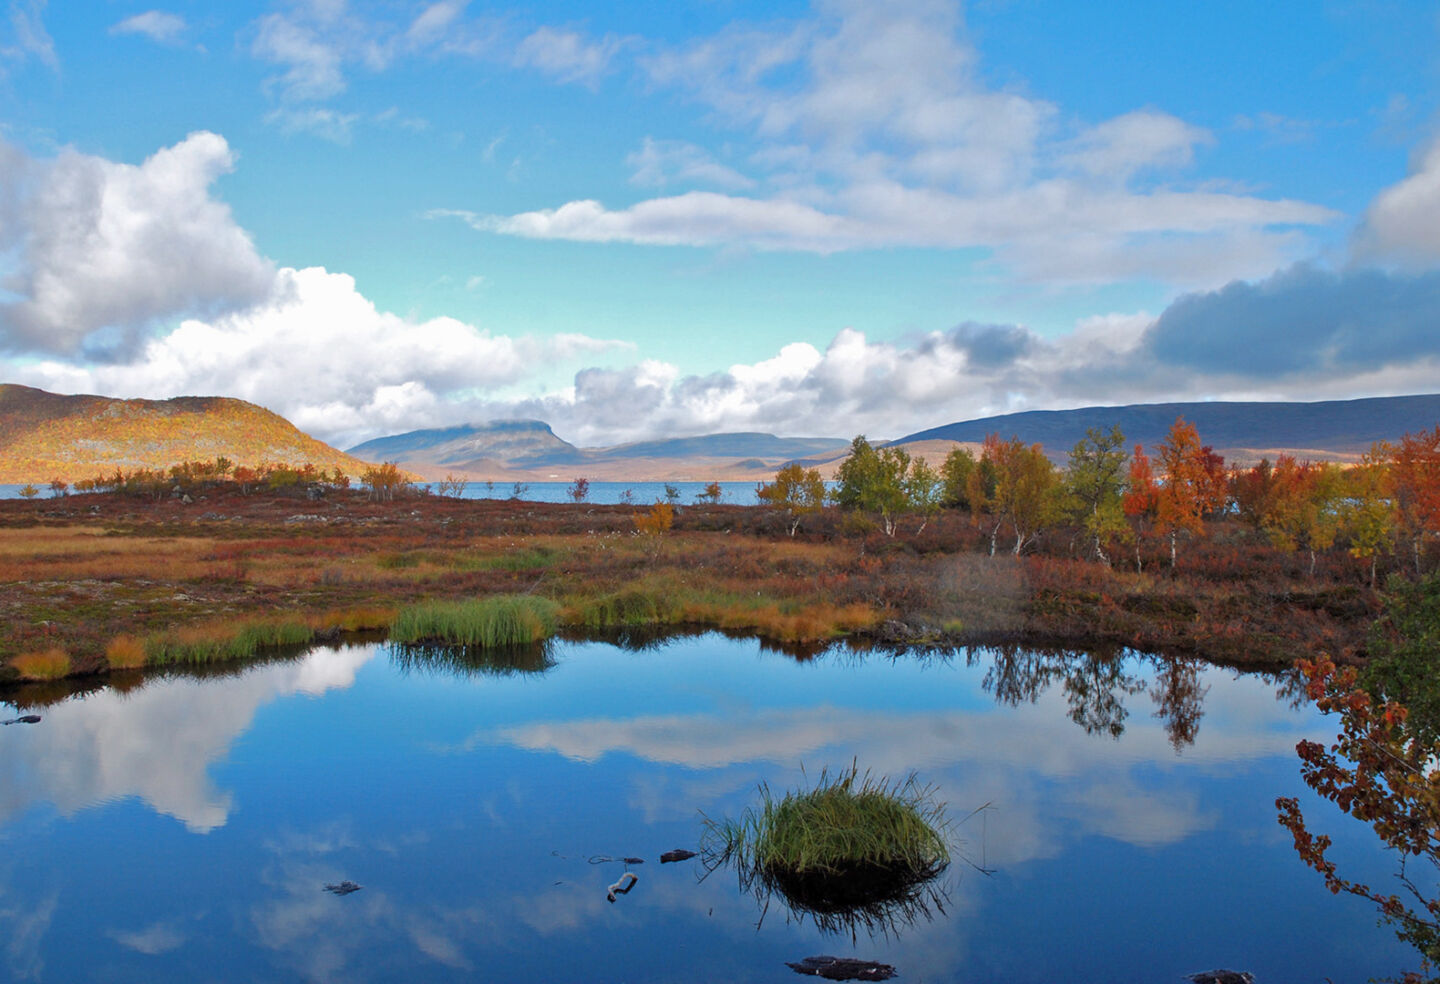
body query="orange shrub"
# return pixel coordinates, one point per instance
(125, 652)
(46, 664)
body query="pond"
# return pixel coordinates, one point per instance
(185, 828)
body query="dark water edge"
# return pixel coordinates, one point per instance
(183, 826)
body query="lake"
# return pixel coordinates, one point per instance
(185, 828)
(601, 493)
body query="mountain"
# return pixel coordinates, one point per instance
(520, 443)
(529, 450)
(1336, 430)
(44, 436)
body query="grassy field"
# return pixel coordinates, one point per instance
(99, 582)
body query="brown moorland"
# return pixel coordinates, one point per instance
(90, 583)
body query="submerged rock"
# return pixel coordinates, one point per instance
(24, 719)
(1222, 977)
(344, 888)
(679, 854)
(843, 969)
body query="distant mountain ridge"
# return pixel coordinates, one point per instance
(44, 436)
(1243, 432)
(530, 449)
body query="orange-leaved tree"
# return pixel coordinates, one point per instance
(1381, 771)
(1142, 498)
(1194, 484)
(1415, 481)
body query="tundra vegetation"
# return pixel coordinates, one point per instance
(1166, 551)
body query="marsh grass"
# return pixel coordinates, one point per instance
(499, 620)
(626, 608)
(224, 641)
(125, 652)
(854, 851)
(43, 664)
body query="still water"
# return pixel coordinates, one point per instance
(185, 830)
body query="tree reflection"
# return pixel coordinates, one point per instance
(1178, 699)
(1096, 685)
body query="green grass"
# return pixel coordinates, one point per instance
(853, 850)
(500, 620)
(627, 608)
(210, 643)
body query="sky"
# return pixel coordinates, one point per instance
(695, 216)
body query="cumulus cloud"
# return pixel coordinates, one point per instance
(93, 245)
(1403, 223)
(159, 26)
(319, 353)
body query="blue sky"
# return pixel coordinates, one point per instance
(684, 217)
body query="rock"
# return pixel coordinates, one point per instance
(679, 854)
(843, 969)
(24, 719)
(344, 888)
(1222, 977)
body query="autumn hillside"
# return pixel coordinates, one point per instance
(44, 436)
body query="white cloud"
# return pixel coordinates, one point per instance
(874, 128)
(1402, 224)
(661, 162)
(319, 353)
(568, 56)
(98, 245)
(27, 37)
(159, 26)
(321, 121)
(312, 61)
(1119, 147)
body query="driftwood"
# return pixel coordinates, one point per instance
(843, 969)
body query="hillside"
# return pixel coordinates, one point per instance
(530, 450)
(44, 436)
(1333, 430)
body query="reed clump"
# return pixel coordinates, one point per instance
(223, 641)
(499, 620)
(853, 850)
(42, 664)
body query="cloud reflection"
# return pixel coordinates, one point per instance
(1048, 783)
(156, 743)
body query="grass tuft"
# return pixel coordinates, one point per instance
(125, 652)
(854, 850)
(500, 620)
(627, 608)
(223, 641)
(43, 664)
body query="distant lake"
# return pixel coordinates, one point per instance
(602, 493)
(184, 829)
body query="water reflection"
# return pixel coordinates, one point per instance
(155, 742)
(446, 785)
(462, 661)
